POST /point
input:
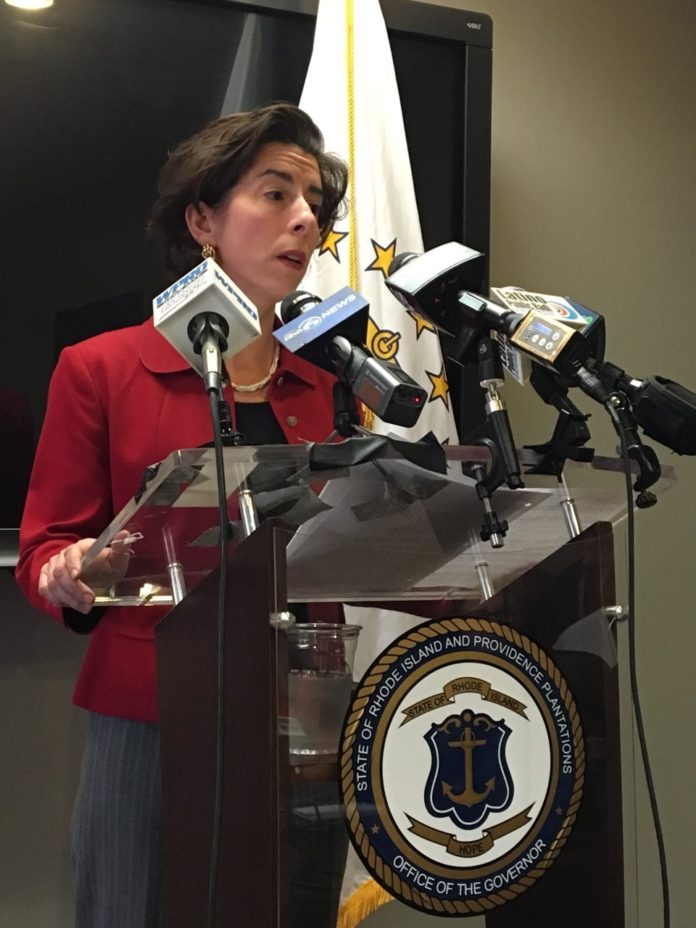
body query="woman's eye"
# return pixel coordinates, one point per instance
(274, 194)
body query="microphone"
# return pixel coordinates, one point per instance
(429, 284)
(206, 318)
(434, 286)
(331, 334)
(664, 409)
(311, 322)
(586, 321)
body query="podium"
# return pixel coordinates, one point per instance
(383, 531)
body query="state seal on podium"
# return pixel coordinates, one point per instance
(462, 766)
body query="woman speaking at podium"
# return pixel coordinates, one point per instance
(257, 191)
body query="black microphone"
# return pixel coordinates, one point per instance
(429, 284)
(331, 334)
(435, 285)
(664, 409)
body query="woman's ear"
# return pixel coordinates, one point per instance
(199, 222)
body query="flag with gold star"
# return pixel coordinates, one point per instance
(351, 93)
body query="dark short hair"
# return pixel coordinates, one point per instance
(205, 167)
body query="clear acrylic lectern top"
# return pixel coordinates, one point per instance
(381, 530)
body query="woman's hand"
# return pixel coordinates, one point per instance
(61, 581)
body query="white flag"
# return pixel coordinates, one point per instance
(351, 93)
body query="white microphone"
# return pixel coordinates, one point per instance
(206, 318)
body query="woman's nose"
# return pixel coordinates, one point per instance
(304, 219)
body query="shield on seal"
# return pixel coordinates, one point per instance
(469, 776)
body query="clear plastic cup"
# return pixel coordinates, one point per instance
(320, 660)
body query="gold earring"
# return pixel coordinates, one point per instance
(208, 251)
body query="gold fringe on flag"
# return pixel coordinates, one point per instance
(367, 418)
(353, 272)
(362, 902)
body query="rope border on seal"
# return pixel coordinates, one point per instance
(382, 872)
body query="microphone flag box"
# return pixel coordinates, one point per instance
(205, 289)
(559, 307)
(343, 313)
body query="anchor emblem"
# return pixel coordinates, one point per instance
(469, 777)
(467, 742)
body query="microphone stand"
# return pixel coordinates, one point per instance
(495, 434)
(346, 419)
(231, 438)
(567, 442)
(619, 408)
(211, 343)
(209, 336)
(571, 433)
(621, 413)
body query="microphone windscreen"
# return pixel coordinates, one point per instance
(399, 261)
(666, 411)
(296, 303)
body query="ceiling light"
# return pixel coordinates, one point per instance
(30, 4)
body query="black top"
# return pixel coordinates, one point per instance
(259, 426)
(257, 423)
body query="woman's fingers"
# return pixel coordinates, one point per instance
(59, 581)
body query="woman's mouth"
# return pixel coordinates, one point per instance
(293, 259)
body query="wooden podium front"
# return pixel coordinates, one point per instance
(585, 886)
(251, 862)
(572, 584)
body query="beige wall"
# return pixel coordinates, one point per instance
(594, 196)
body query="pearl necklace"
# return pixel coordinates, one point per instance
(253, 387)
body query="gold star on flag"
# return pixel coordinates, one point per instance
(440, 389)
(331, 242)
(421, 324)
(383, 257)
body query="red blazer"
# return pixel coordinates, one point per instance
(116, 404)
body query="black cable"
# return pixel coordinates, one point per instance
(634, 676)
(220, 683)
